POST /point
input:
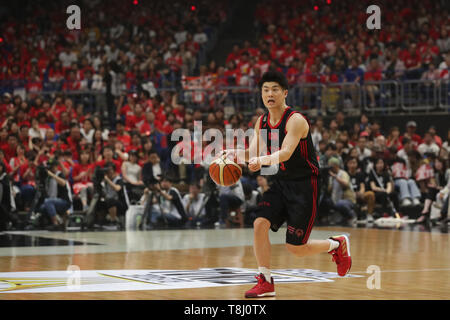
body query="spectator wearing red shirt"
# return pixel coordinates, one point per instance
(121, 134)
(73, 140)
(108, 156)
(3, 160)
(231, 73)
(82, 176)
(137, 119)
(437, 139)
(33, 84)
(56, 72)
(264, 62)
(10, 149)
(393, 139)
(57, 107)
(288, 55)
(373, 73)
(128, 109)
(145, 101)
(329, 101)
(63, 124)
(5, 104)
(131, 77)
(22, 118)
(158, 108)
(17, 161)
(24, 136)
(174, 60)
(66, 162)
(235, 55)
(244, 64)
(412, 61)
(191, 45)
(71, 83)
(411, 134)
(253, 52)
(149, 125)
(39, 106)
(316, 48)
(167, 126)
(3, 138)
(27, 182)
(136, 142)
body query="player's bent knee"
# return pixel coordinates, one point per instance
(261, 224)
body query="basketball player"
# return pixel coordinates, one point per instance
(293, 194)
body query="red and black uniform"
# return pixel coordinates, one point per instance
(293, 195)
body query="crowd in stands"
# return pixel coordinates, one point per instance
(333, 44)
(396, 168)
(43, 141)
(51, 146)
(155, 41)
(159, 42)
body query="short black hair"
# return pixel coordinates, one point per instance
(274, 76)
(110, 165)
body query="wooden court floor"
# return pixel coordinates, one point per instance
(412, 265)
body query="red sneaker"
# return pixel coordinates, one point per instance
(341, 255)
(262, 289)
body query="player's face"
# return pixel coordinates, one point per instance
(273, 95)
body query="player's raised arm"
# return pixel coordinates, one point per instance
(297, 128)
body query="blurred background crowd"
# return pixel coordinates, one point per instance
(87, 116)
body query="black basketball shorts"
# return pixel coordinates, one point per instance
(293, 202)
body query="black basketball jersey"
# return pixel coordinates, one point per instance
(303, 162)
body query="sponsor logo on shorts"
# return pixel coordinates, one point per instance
(298, 232)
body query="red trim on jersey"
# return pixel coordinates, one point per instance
(279, 122)
(313, 168)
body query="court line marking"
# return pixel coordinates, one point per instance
(416, 270)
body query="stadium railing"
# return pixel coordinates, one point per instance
(391, 96)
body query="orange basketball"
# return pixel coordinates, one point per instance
(225, 172)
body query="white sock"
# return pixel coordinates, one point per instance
(333, 244)
(265, 272)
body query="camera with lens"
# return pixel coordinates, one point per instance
(41, 176)
(99, 175)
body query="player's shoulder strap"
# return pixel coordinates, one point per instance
(288, 115)
(263, 120)
(265, 117)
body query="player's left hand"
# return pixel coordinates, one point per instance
(254, 164)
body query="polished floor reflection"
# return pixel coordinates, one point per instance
(407, 265)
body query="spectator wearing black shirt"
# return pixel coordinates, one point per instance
(169, 207)
(340, 120)
(114, 195)
(381, 184)
(58, 201)
(5, 197)
(358, 184)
